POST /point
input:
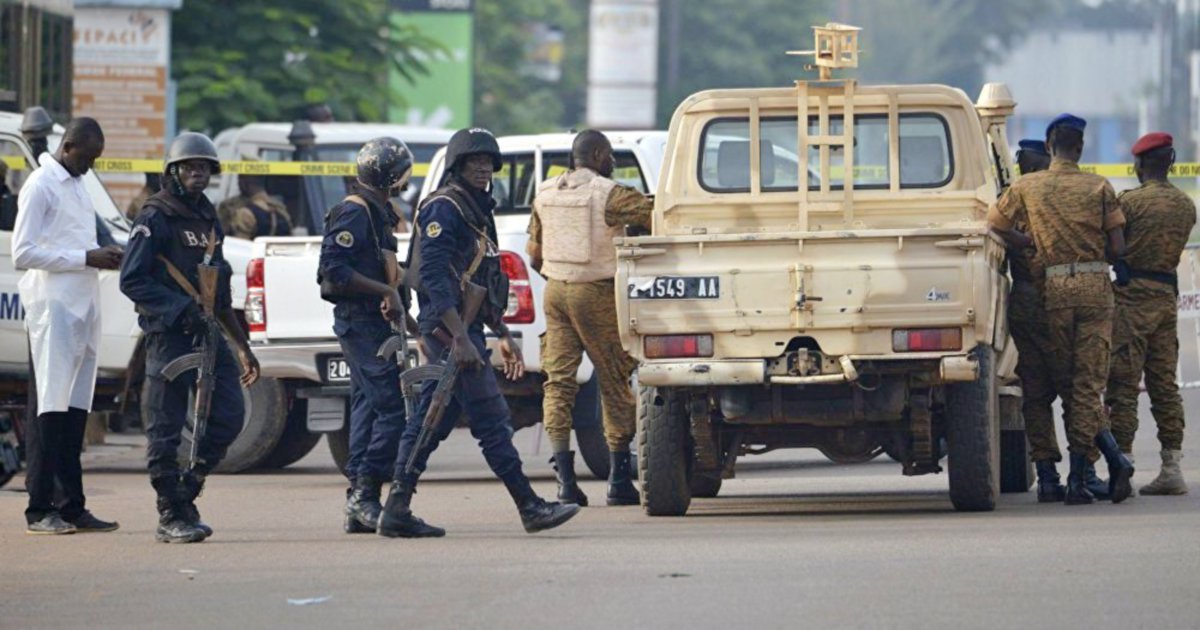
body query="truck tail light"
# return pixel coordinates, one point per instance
(678, 346)
(927, 339)
(520, 294)
(256, 299)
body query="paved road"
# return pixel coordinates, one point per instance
(795, 541)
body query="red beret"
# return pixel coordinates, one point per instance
(1152, 141)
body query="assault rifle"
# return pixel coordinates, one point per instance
(445, 372)
(204, 359)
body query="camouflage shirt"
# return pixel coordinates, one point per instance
(1160, 221)
(625, 206)
(1068, 213)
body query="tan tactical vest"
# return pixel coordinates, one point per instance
(577, 245)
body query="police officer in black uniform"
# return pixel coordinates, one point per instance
(359, 273)
(176, 225)
(449, 228)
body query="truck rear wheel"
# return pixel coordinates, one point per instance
(665, 452)
(1016, 469)
(266, 418)
(296, 441)
(973, 437)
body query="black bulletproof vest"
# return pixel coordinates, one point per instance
(489, 274)
(189, 234)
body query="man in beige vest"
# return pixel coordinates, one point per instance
(575, 218)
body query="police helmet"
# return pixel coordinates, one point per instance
(466, 142)
(190, 145)
(383, 162)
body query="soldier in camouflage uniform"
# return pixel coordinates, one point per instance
(1160, 219)
(575, 218)
(1069, 214)
(254, 213)
(1027, 323)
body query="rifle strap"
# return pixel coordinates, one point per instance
(180, 279)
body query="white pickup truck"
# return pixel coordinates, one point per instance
(289, 319)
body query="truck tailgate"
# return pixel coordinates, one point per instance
(294, 306)
(828, 286)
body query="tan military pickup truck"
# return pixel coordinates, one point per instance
(820, 274)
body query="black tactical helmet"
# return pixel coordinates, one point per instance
(190, 145)
(383, 162)
(471, 141)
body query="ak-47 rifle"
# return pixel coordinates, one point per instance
(204, 359)
(445, 372)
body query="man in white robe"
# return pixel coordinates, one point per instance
(54, 240)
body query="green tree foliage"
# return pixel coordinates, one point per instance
(941, 41)
(708, 44)
(238, 62)
(509, 101)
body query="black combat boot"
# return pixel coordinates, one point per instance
(173, 523)
(1120, 469)
(1050, 488)
(1077, 491)
(621, 490)
(1097, 486)
(363, 508)
(568, 487)
(191, 484)
(351, 524)
(537, 514)
(398, 521)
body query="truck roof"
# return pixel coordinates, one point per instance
(563, 140)
(329, 134)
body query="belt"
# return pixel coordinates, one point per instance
(1071, 269)
(1155, 276)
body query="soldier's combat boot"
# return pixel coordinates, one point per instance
(537, 514)
(363, 508)
(1170, 478)
(621, 490)
(191, 484)
(1097, 486)
(1120, 469)
(397, 520)
(173, 523)
(350, 524)
(1050, 488)
(568, 487)
(1077, 490)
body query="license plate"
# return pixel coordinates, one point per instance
(336, 369)
(675, 288)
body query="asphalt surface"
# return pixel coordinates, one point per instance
(794, 541)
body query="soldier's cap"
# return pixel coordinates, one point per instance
(1071, 121)
(1151, 141)
(1034, 146)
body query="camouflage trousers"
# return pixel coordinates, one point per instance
(1027, 324)
(1081, 342)
(1145, 344)
(582, 316)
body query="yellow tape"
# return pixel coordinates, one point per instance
(250, 167)
(348, 169)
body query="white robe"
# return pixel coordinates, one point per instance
(56, 226)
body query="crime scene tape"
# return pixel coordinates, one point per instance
(312, 169)
(348, 169)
